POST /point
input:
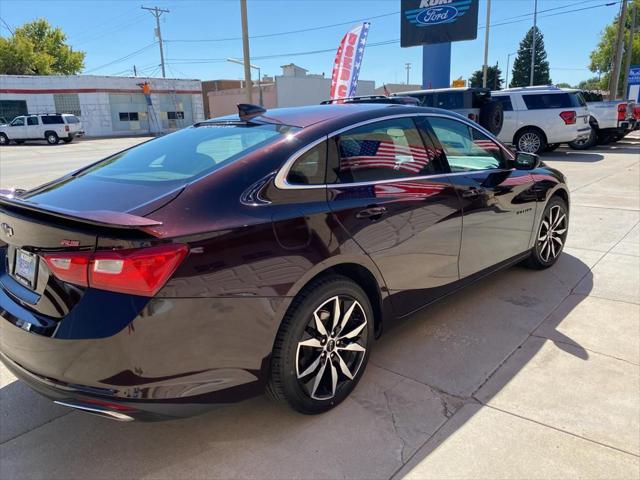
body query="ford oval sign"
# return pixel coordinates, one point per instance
(437, 21)
(434, 16)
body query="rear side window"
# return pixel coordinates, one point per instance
(310, 167)
(381, 151)
(187, 154)
(52, 119)
(72, 119)
(32, 120)
(505, 100)
(543, 101)
(450, 100)
(467, 149)
(426, 100)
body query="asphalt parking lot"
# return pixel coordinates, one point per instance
(522, 375)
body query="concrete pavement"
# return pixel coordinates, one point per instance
(523, 375)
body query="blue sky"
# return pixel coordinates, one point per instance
(110, 30)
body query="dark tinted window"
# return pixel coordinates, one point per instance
(72, 119)
(541, 101)
(310, 168)
(32, 120)
(505, 100)
(426, 99)
(467, 149)
(187, 154)
(578, 99)
(52, 119)
(381, 151)
(175, 115)
(450, 100)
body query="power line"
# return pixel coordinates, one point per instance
(290, 32)
(122, 59)
(6, 25)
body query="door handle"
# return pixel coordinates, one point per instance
(473, 192)
(373, 212)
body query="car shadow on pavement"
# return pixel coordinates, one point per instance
(573, 156)
(458, 352)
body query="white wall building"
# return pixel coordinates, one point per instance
(105, 105)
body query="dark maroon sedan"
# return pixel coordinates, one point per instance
(264, 251)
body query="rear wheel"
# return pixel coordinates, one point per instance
(531, 140)
(67, 140)
(551, 235)
(4, 140)
(323, 345)
(588, 142)
(51, 138)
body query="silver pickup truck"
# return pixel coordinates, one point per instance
(610, 120)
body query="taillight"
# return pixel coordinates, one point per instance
(622, 111)
(569, 117)
(142, 271)
(66, 128)
(472, 116)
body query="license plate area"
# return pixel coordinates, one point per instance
(25, 268)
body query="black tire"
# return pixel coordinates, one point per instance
(4, 140)
(546, 252)
(530, 140)
(551, 147)
(604, 138)
(67, 140)
(51, 138)
(492, 116)
(589, 142)
(18, 142)
(291, 359)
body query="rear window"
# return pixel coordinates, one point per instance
(52, 119)
(426, 99)
(578, 99)
(71, 119)
(544, 101)
(505, 100)
(187, 154)
(450, 100)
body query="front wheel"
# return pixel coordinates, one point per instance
(323, 345)
(551, 235)
(531, 140)
(4, 140)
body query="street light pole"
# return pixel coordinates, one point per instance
(533, 42)
(240, 62)
(508, 58)
(245, 51)
(485, 67)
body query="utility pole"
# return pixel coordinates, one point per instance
(248, 87)
(157, 12)
(627, 60)
(506, 82)
(533, 43)
(617, 57)
(486, 46)
(407, 66)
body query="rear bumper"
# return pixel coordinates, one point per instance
(178, 358)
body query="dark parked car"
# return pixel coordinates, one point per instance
(264, 251)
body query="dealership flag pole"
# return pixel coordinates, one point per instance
(486, 47)
(346, 67)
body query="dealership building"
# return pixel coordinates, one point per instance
(106, 105)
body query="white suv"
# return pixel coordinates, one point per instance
(51, 127)
(539, 119)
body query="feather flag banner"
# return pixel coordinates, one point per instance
(346, 67)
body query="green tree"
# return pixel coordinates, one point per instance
(493, 83)
(602, 56)
(522, 64)
(590, 84)
(563, 85)
(37, 48)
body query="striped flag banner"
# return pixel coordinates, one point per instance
(346, 67)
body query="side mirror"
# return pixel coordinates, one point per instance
(527, 161)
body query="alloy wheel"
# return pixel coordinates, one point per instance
(331, 351)
(552, 233)
(529, 142)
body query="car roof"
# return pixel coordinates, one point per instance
(308, 115)
(442, 90)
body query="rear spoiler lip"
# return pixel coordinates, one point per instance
(99, 218)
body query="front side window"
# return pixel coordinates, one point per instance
(383, 150)
(467, 148)
(310, 167)
(18, 122)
